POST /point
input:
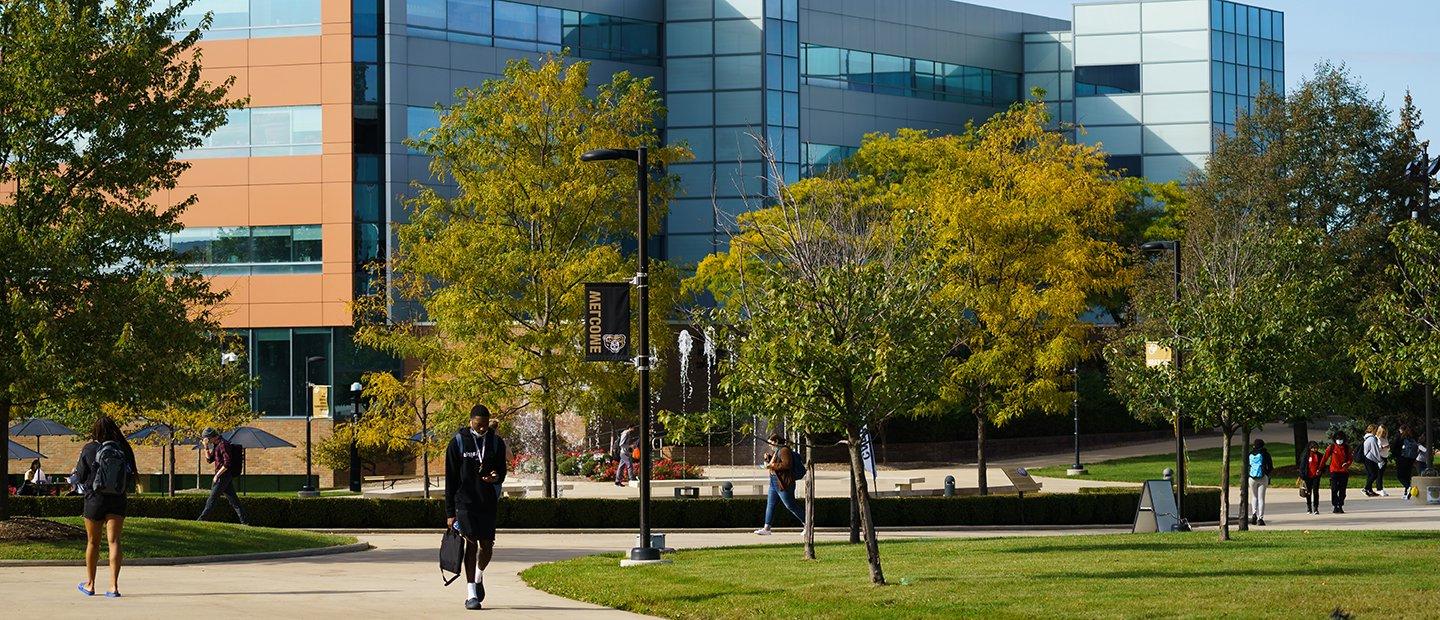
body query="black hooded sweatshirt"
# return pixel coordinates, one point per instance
(463, 489)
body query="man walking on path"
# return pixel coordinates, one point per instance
(229, 462)
(474, 471)
(626, 468)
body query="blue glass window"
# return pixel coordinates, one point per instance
(1107, 80)
(472, 16)
(896, 75)
(253, 250)
(240, 19)
(261, 132)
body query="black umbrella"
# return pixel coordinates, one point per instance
(20, 453)
(39, 427)
(161, 431)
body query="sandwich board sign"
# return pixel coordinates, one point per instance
(1156, 512)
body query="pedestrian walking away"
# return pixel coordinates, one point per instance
(785, 470)
(106, 468)
(1259, 475)
(1382, 435)
(229, 460)
(1310, 471)
(627, 445)
(1338, 458)
(1370, 458)
(1407, 454)
(475, 468)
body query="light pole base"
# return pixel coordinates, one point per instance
(308, 492)
(644, 554)
(1077, 471)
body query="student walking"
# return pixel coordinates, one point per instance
(785, 469)
(1370, 458)
(1382, 437)
(105, 467)
(626, 470)
(1338, 458)
(1259, 474)
(1310, 469)
(229, 460)
(474, 471)
(1405, 459)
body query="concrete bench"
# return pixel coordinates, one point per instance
(526, 489)
(388, 482)
(899, 483)
(758, 486)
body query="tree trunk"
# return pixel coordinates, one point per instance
(1244, 480)
(5, 407)
(548, 429)
(867, 522)
(1225, 483)
(170, 456)
(425, 454)
(1302, 439)
(854, 510)
(809, 499)
(980, 454)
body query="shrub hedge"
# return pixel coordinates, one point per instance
(1110, 508)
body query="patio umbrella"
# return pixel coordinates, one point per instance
(39, 427)
(20, 453)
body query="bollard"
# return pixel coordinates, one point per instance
(727, 490)
(1168, 474)
(949, 486)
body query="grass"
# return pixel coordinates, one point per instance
(169, 538)
(1204, 468)
(1290, 574)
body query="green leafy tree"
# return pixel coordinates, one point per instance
(395, 411)
(96, 101)
(829, 315)
(1025, 226)
(499, 265)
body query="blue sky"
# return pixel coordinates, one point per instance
(1390, 45)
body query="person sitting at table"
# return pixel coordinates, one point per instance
(34, 478)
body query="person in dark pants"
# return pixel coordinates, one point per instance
(224, 455)
(105, 468)
(782, 482)
(1370, 458)
(1405, 452)
(1338, 457)
(474, 471)
(1310, 470)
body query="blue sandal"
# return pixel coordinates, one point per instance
(112, 595)
(81, 587)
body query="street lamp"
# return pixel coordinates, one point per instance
(307, 490)
(1174, 248)
(645, 552)
(355, 389)
(1077, 469)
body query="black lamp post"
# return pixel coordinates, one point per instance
(1425, 170)
(307, 490)
(1077, 469)
(640, 156)
(355, 389)
(1174, 248)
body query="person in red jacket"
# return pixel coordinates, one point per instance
(1337, 460)
(1310, 469)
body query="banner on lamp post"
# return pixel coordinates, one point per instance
(1157, 356)
(320, 401)
(607, 322)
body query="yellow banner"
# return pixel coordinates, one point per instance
(320, 401)
(1156, 355)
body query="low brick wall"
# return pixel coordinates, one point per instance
(937, 451)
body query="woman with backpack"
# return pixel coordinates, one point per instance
(785, 469)
(1310, 468)
(1259, 474)
(1408, 451)
(105, 468)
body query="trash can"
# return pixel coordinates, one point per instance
(1427, 490)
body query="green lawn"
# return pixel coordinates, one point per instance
(1289, 574)
(1204, 466)
(168, 538)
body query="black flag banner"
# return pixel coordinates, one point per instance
(607, 321)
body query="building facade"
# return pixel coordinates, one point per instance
(300, 192)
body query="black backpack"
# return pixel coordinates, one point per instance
(112, 469)
(237, 458)
(797, 465)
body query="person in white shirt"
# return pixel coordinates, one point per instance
(1370, 456)
(33, 478)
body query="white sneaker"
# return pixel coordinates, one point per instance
(764, 531)
(1384, 493)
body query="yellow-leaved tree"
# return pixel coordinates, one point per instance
(1024, 227)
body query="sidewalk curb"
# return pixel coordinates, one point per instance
(206, 559)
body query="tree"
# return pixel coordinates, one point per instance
(1325, 157)
(1024, 235)
(96, 101)
(499, 267)
(829, 314)
(395, 412)
(1401, 347)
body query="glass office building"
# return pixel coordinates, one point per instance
(299, 194)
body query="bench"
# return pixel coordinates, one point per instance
(901, 483)
(758, 486)
(524, 489)
(388, 482)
